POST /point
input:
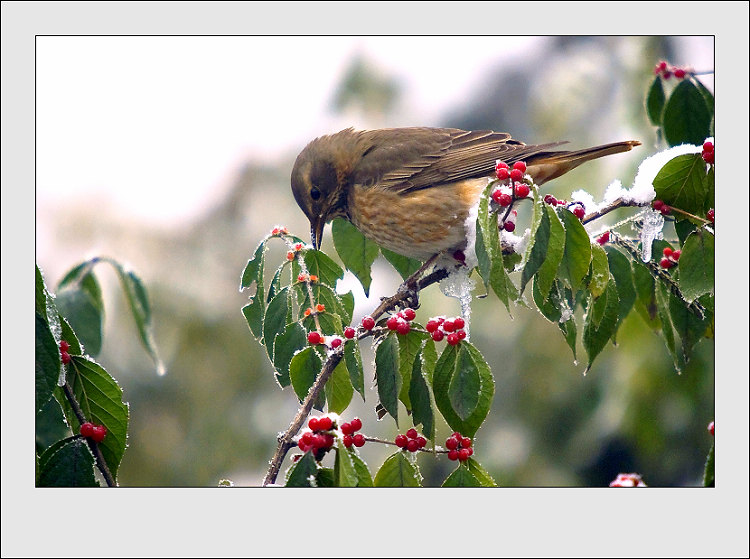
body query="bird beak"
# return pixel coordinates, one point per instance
(316, 231)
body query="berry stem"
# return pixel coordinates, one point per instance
(100, 463)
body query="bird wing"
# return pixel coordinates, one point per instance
(409, 159)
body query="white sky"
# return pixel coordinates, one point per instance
(157, 123)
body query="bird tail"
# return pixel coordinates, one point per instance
(547, 165)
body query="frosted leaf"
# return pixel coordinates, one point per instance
(459, 285)
(653, 223)
(642, 191)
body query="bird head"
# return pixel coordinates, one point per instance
(320, 181)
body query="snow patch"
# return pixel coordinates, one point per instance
(653, 223)
(459, 285)
(642, 192)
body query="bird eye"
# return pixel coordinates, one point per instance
(314, 193)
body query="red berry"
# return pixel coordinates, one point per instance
(466, 442)
(328, 440)
(503, 199)
(412, 433)
(314, 337)
(710, 215)
(368, 323)
(516, 174)
(87, 429)
(320, 307)
(422, 441)
(449, 326)
(290, 255)
(100, 431)
(453, 339)
(313, 424)
(459, 322)
(336, 342)
(471, 451)
(603, 238)
(359, 440)
(325, 423)
(501, 165)
(667, 74)
(667, 251)
(708, 157)
(657, 205)
(392, 323)
(307, 438)
(356, 423)
(502, 173)
(410, 314)
(401, 441)
(438, 336)
(412, 445)
(464, 454)
(520, 165)
(403, 328)
(710, 428)
(65, 357)
(431, 325)
(679, 73)
(676, 255)
(579, 212)
(349, 332)
(666, 263)
(451, 443)
(301, 277)
(708, 146)
(348, 440)
(64, 346)
(509, 226)
(461, 334)
(347, 429)
(453, 455)
(665, 210)
(522, 190)
(551, 200)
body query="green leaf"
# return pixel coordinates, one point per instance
(577, 255)
(345, 474)
(253, 272)
(599, 271)
(40, 297)
(409, 347)
(325, 478)
(709, 479)
(546, 253)
(287, 343)
(484, 478)
(489, 252)
(687, 118)
(429, 359)
(338, 389)
(50, 425)
(67, 334)
(79, 299)
(347, 299)
(645, 287)
(387, 374)
(320, 264)
(667, 328)
(461, 477)
(299, 473)
(47, 362)
(353, 360)
(303, 370)
(464, 387)
(364, 477)
(404, 265)
(397, 471)
(357, 252)
(655, 101)
(690, 327)
(619, 266)
(445, 369)
(325, 295)
(100, 398)
(275, 320)
(697, 265)
(596, 333)
(681, 183)
(68, 463)
(253, 313)
(419, 396)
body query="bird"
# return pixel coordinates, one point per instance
(411, 189)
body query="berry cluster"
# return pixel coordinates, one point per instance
(401, 321)
(319, 438)
(279, 230)
(670, 258)
(628, 480)
(94, 432)
(577, 208)
(452, 329)
(512, 187)
(412, 441)
(661, 207)
(348, 430)
(711, 428)
(64, 355)
(708, 153)
(292, 253)
(603, 239)
(667, 70)
(459, 447)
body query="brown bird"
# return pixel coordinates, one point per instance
(411, 189)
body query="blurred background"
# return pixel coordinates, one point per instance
(173, 155)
